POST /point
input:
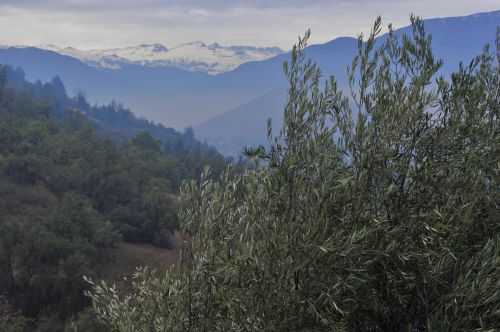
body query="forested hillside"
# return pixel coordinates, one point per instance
(115, 120)
(75, 181)
(375, 213)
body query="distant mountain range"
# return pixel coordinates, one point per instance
(227, 108)
(455, 40)
(195, 56)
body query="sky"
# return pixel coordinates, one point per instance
(89, 24)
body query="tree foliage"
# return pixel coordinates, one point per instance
(376, 211)
(71, 188)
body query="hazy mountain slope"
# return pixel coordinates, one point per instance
(454, 39)
(169, 95)
(246, 125)
(112, 121)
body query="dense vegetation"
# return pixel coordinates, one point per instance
(71, 188)
(378, 212)
(117, 122)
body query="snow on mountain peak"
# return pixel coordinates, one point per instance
(157, 48)
(194, 56)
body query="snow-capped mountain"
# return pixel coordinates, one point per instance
(195, 56)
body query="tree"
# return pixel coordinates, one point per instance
(10, 320)
(146, 142)
(377, 212)
(75, 179)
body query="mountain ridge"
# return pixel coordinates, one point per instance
(333, 58)
(180, 98)
(195, 56)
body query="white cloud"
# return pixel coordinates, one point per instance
(111, 23)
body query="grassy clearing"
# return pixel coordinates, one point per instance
(129, 256)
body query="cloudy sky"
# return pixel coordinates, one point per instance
(114, 23)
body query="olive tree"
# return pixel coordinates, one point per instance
(372, 211)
